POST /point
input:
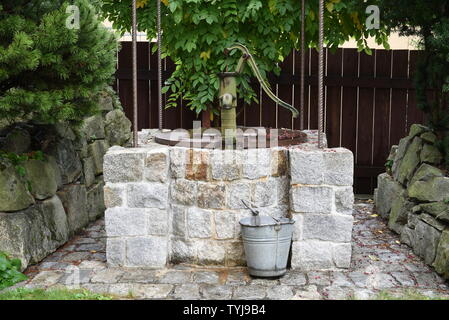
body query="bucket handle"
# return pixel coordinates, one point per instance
(256, 215)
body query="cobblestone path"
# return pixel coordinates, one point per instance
(379, 263)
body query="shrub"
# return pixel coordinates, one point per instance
(49, 72)
(10, 271)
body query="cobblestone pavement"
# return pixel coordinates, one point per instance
(379, 263)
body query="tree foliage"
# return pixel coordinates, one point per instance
(196, 32)
(49, 72)
(429, 21)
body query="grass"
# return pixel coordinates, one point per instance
(406, 295)
(51, 294)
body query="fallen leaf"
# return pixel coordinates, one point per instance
(93, 251)
(374, 258)
(374, 215)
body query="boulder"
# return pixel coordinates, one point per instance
(422, 237)
(34, 233)
(67, 159)
(88, 171)
(431, 154)
(441, 263)
(439, 210)
(64, 130)
(97, 150)
(18, 141)
(410, 161)
(92, 128)
(426, 172)
(74, 200)
(433, 190)
(95, 201)
(42, 178)
(14, 194)
(400, 153)
(429, 137)
(118, 128)
(387, 191)
(417, 129)
(400, 209)
(105, 102)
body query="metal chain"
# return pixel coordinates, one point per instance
(303, 62)
(159, 61)
(134, 57)
(321, 76)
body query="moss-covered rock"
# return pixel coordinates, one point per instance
(400, 209)
(426, 172)
(410, 161)
(14, 194)
(441, 263)
(42, 178)
(431, 154)
(439, 210)
(433, 190)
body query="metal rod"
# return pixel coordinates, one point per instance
(303, 66)
(159, 61)
(134, 54)
(321, 76)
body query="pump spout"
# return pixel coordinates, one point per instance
(252, 63)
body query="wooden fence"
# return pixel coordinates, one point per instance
(369, 101)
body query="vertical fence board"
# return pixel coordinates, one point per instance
(333, 100)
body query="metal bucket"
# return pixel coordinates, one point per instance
(267, 244)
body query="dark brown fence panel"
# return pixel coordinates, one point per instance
(370, 101)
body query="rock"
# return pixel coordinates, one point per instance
(211, 196)
(117, 128)
(184, 191)
(393, 151)
(236, 192)
(423, 238)
(17, 141)
(183, 251)
(56, 170)
(114, 195)
(409, 162)
(92, 128)
(42, 178)
(211, 253)
(34, 233)
(105, 102)
(265, 193)
(400, 208)
(95, 201)
(156, 165)
(435, 189)
(417, 129)
(312, 255)
(74, 200)
(64, 131)
(327, 227)
(400, 153)
(308, 199)
(97, 150)
(441, 263)
(67, 159)
(14, 194)
(387, 191)
(431, 154)
(147, 195)
(150, 252)
(199, 223)
(88, 171)
(224, 224)
(429, 137)
(440, 210)
(426, 172)
(123, 166)
(125, 222)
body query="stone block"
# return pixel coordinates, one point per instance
(42, 178)
(183, 251)
(147, 195)
(178, 161)
(116, 252)
(184, 191)
(211, 253)
(265, 193)
(150, 252)
(178, 220)
(197, 164)
(387, 191)
(298, 226)
(341, 253)
(67, 159)
(74, 200)
(224, 224)
(339, 167)
(226, 164)
(256, 163)
(441, 263)
(236, 192)
(344, 200)
(279, 162)
(235, 254)
(283, 190)
(93, 128)
(199, 223)
(211, 196)
(307, 166)
(157, 222)
(156, 165)
(312, 199)
(312, 255)
(114, 195)
(124, 165)
(125, 222)
(327, 227)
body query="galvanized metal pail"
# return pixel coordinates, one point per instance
(267, 244)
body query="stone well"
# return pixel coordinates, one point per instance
(178, 205)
